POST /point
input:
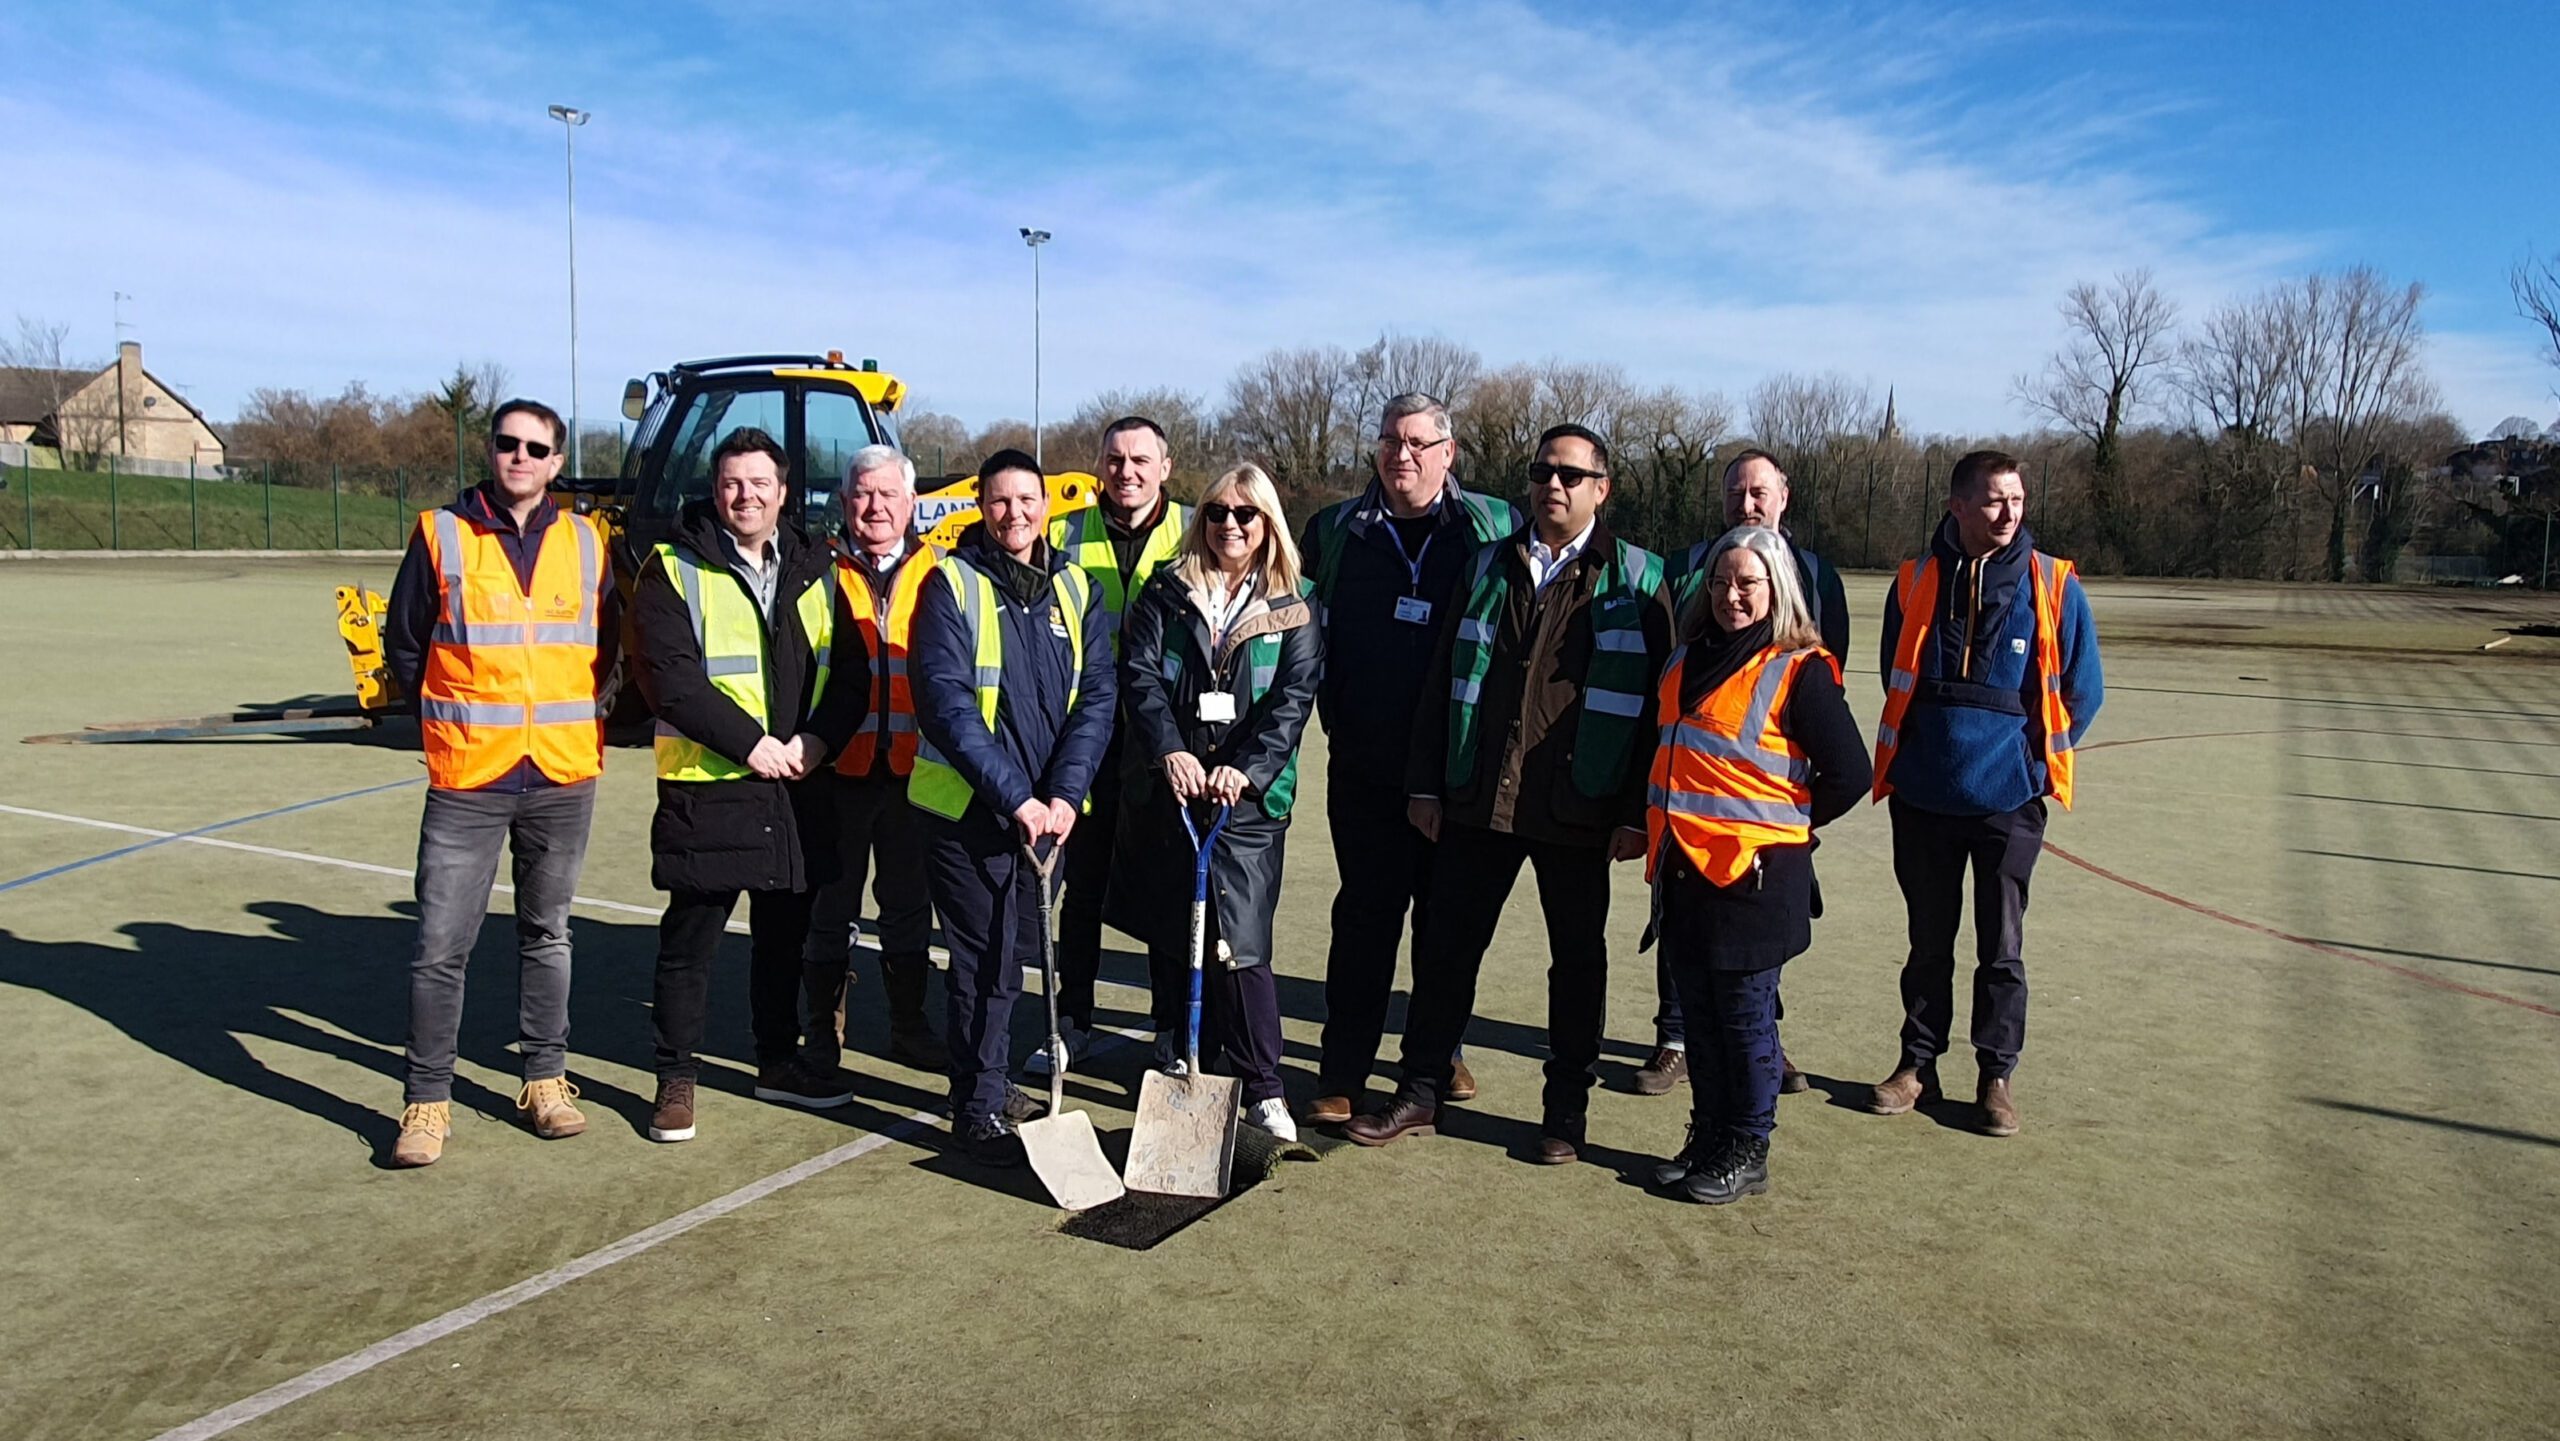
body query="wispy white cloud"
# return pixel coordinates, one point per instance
(1704, 201)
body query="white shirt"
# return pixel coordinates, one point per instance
(1544, 563)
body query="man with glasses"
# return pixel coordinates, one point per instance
(502, 623)
(1385, 565)
(1119, 540)
(1531, 747)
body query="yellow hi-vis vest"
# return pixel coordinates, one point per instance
(732, 637)
(1086, 540)
(935, 785)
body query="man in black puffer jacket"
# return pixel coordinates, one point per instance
(756, 672)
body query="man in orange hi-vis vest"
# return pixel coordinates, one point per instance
(502, 624)
(882, 568)
(1991, 679)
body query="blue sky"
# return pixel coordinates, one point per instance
(300, 196)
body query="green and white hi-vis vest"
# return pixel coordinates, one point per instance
(1488, 518)
(1616, 693)
(936, 785)
(1262, 667)
(732, 637)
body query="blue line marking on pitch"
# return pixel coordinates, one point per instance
(121, 851)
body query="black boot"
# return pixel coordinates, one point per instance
(1739, 1169)
(1698, 1153)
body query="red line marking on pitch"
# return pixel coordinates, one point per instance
(2406, 973)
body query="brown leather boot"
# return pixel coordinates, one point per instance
(1904, 1089)
(1402, 1117)
(1999, 1112)
(1462, 1082)
(1328, 1111)
(1668, 1068)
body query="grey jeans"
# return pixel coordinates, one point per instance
(458, 840)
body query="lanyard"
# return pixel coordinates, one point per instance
(1412, 559)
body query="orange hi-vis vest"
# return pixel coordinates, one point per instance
(1917, 589)
(511, 674)
(1726, 780)
(884, 639)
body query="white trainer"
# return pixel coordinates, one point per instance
(1272, 1117)
(1076, 1039)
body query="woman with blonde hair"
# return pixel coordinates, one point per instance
(1756, 750)
(1221, 653)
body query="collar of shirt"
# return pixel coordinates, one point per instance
(880, 565)
(763, 560)
(1544, 564)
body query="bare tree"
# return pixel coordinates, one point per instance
(1191, 432)
(40, 352)
(1394, 365)
(1814, 424)
(2233, 372)
(937, 443)
(1297, 413)
(2093, 384)
(2536, 284)
(1497, 428)
(2354, 355)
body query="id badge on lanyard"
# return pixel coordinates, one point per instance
(1411, 608)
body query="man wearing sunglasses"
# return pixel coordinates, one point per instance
(1119, 540)
(1531, 747)
(1386, 565)
(502, 625)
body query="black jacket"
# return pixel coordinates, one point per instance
(1374, 663)
(1152, 851)
(1529, 713)
(1763, 919)
(1040, 747)
(750, 833)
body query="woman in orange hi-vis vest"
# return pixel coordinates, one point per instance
(1756, 749)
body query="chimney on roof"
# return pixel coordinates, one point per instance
(129, 352)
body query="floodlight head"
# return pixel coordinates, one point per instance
(568, 115)
(1033, 237)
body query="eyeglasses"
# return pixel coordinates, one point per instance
(509, 444)
(1243, 515)
(1398, 445)
(1568, 476)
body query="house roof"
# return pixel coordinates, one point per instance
(28, 396)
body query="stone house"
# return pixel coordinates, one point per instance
(120, 410)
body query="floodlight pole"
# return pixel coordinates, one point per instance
(1035, 239)
(570, 119)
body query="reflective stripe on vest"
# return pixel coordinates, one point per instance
(935, 784)
(1086, 539)
(511, 669)
(1916, 591)
(893, 706)
(1726, 780)
(731, 634)
(1613, 699)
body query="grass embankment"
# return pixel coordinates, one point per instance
(88, 510)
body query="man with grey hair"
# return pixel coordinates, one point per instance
(882, 569)
(1386, 565)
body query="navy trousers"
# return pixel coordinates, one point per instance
(988, 896)
(1733, 1048)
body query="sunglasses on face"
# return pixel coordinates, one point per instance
(510, 444)
(1243, 515)
(1568, 476)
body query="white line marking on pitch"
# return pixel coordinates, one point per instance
(279, 853)
(320, 1378)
